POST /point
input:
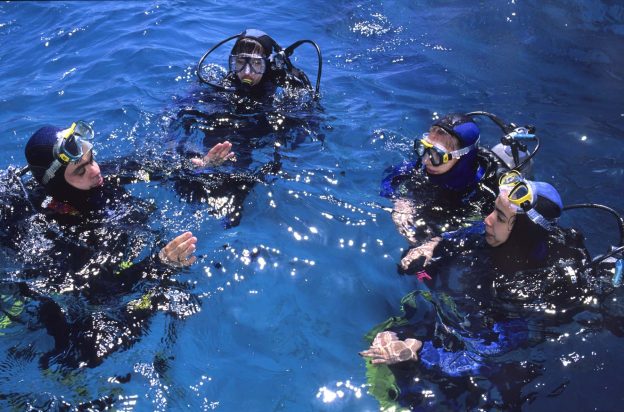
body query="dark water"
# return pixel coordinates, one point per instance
(283, 332)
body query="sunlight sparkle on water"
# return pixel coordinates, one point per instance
(342, 389)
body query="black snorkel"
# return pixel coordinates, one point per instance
(512, 138)
(278, 57)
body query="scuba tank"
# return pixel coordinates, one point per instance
(512, 150)
(504, 153)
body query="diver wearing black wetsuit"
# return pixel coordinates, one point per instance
(258, 66)
(485, 305)
(89, 235)
(247, 116)
(257, 69)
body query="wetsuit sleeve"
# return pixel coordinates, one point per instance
(394, 176)
(465, 233)
(134, 169)
(124, 276)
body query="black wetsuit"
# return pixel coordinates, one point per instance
(258, 127)
(92, 272)
(475, 309)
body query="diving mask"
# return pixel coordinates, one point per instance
(238, 62)
(521, 194)
(437, 155)
(70, 146)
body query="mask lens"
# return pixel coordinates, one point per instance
(519, 192)
(435, 156)
(83, 130)
(256, 64)
(72, 147)
(239, 63)
(509, 178)
(521, 196)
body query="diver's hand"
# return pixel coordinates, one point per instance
(388, 349)
(216, 156)
(179, 252)
(423, 252)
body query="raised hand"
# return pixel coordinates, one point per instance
(215, 156)
(179, 252)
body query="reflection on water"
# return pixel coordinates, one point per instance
(297, 258)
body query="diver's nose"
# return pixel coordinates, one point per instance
(247, 69)
(488, 219)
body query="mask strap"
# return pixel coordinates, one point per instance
(456, 154)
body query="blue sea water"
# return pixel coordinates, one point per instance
(283, 332)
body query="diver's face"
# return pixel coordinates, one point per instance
(499, 223)
(85, 174)
(441, 142)
(248, 76)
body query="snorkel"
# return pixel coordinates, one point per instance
(278, 58)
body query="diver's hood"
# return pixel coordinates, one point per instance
(268, 43)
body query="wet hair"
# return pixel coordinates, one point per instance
(249, 46)
(449, 141)
(460, 126)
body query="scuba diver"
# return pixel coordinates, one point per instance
(504, 276)
(261, 107)
(453, 180)
(95, 275)
(258, 66)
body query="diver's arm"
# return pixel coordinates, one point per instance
(430, 251)
(176, 254)
(146, 168)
